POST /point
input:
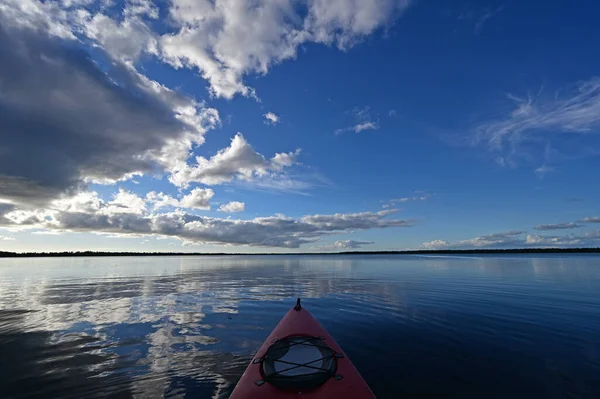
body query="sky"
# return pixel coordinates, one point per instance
(298, 125)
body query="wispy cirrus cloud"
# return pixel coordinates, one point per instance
(539, 124)
(364, 121)
(359, 127)
(478, 17)
(418, 196)
(423, 197)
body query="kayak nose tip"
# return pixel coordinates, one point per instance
(298, 306)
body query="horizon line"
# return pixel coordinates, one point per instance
(8, 254)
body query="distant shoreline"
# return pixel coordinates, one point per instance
(4, 254)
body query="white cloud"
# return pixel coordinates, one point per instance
(590, 238)
(47, 17)
(543, 120)
(198, 198)
(557, 226)
(226, 40)
(161, 200)
(344, 245)
(125, 40)
(47, 233)
(392, 112)
(514, 239)
(437, 244)
(423, 197)
(505, 239)
(239, 160)
(233, 206)
(365, 126)
(284, 159)
(363, 121)
(271, 118)
(593, 219)
(135, 8)
(124, 202)
(5, 238)
(345, 22)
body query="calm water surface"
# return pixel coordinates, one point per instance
(497, 326)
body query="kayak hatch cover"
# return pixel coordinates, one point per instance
(301, 360)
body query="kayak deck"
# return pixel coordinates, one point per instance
(300, 359)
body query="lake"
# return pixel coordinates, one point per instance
(186, 327)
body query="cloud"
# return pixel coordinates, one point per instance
(233, 206)
(478, 17)
(123, 202)
(271, 118)
(138, 8)
(392, 112)
(99, 122)
(363, 220)
(514, 239)
(5, 238)
(227, 40)
(344, 245)
(224, 40)
(238, 161)
(543, 170)
(198, 198)
(363, 119)
(593, 219)
(536, 125)
(126, 214)
(557, 226)
(505, 239)
(423, 197)
(590, 238)
(161, 200)
(87, 124)
(47, 17)
(365, 126)
(46, 233)
(125, 40)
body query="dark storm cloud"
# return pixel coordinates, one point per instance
(63, 119)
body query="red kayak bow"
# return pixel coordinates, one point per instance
(300, 360)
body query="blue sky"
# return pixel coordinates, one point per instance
(298, 125)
